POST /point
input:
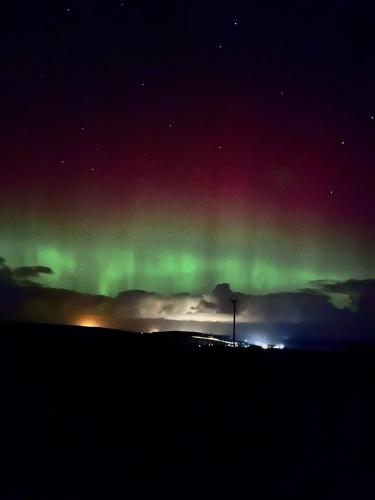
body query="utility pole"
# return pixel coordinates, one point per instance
(234, 301)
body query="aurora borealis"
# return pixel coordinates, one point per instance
(260, 262)
(170, 148)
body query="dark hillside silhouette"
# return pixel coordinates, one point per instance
(97, 414)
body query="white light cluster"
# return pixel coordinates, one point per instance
(263, 345)
(279, 346)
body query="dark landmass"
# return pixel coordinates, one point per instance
(94, 413)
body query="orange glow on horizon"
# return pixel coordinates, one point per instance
(89, 321)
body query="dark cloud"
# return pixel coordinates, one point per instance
(132, 302)
(21, 275)
(20, 298)
(359, 295)
(8, 290)
(30, 272)
(224, 295)
(6, 276)
(349, 286)
(134, 296)
(293, 307)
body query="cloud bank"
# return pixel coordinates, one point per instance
(328, 305)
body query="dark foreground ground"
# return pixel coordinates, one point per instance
(97, 415)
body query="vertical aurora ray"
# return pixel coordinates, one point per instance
(161, 258)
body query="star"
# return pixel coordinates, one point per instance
(62, 162)
(219, 46)
(142, 84)
(331, 191)
(372, 117)
(220, 148)
(235, 23)
(342, 142)
(92, 169)
(68, 9)
(281, 92)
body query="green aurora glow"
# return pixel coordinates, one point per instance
(169, 259)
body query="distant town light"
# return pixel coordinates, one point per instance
(89, 321)
(279, 346)
(263, 345)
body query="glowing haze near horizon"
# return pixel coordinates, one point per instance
(218, 145)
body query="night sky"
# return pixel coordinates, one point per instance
(175, 146)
